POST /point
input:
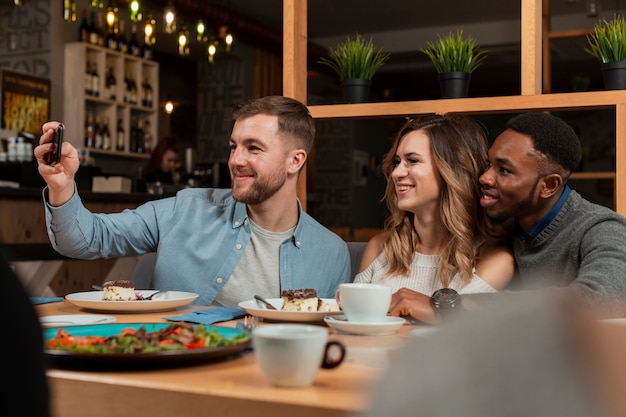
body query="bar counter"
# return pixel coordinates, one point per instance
(230, 387)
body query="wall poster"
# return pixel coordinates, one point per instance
(25, 101)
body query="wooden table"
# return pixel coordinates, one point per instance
(233, 387)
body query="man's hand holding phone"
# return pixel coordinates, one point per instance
(54, 157)
(57, 163)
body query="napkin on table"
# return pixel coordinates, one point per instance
(210, 315)
(44, 300)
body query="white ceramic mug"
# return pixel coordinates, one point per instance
(366, 303)
(289, 355)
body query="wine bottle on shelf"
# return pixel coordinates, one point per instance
(147, 137)
(120, 137)
(93, 31)
(89, 131)
(97, 129)
(146, 51)
(126, 89)
(146, 94)
(111, 39)
(100, 29)
(150, 95)
(140, 137)
(132, 91)
(83, 29)
(88, 80)
(133, 135)
(122, 43)
(133, 45)
(111, 84)
(106, 134)
(95, 81)
(106, 90)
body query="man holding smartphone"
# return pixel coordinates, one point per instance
(227, 245)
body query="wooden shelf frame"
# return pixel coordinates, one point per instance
(533, 19)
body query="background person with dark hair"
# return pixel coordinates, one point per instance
(162, 162)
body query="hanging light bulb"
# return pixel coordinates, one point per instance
(169, 18)
(200, 31)
(18, 3)
(111, 16)
(148, 30)
(228, 40)
(69, 10)
(183, 41)
(134, 8)
(212, 50)
(169, 106)
(96, 4)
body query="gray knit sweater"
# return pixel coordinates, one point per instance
(583, 247)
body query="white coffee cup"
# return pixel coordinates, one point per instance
(289, 355)
(366, 303)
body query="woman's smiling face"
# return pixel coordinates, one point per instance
(417, 181)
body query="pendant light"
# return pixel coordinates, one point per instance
(133, 9)
(183, 41)
(149, 30)
(169, 18)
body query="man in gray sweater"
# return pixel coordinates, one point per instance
(559, 238)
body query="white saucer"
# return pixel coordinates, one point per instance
(74, 320)
(388, 326)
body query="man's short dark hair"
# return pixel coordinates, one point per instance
(551, 136)
(294, 118)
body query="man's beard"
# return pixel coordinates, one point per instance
(523, 206)
(260, 189)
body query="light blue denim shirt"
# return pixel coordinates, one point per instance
(199, 236)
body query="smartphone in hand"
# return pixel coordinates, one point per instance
(54, 157)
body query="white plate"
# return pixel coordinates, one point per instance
(253, 308)
(167, 300)
(74, 320)
(388, 326)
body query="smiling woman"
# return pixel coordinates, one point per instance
(436, 235)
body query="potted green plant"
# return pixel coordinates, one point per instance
(608, 44)
(455, 57)
(356, 61)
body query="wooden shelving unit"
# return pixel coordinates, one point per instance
(530, 99)
(77, 103)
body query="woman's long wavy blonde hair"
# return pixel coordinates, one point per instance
(458, 147)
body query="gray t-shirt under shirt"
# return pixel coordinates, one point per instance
(257, 271)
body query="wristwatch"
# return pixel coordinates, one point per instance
(445, 301)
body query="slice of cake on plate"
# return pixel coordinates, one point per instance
(300, 300)
(119, 290)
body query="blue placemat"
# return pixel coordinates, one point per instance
(44, 300)
(210, 315)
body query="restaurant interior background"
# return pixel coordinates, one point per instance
(344, 183)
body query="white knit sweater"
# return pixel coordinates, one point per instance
(422, 278)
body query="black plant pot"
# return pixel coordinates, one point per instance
(614, 75)
(454, 84)
(356, 90)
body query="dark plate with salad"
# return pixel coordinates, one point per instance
(137, 345)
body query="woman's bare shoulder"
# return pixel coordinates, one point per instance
(373, 248)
